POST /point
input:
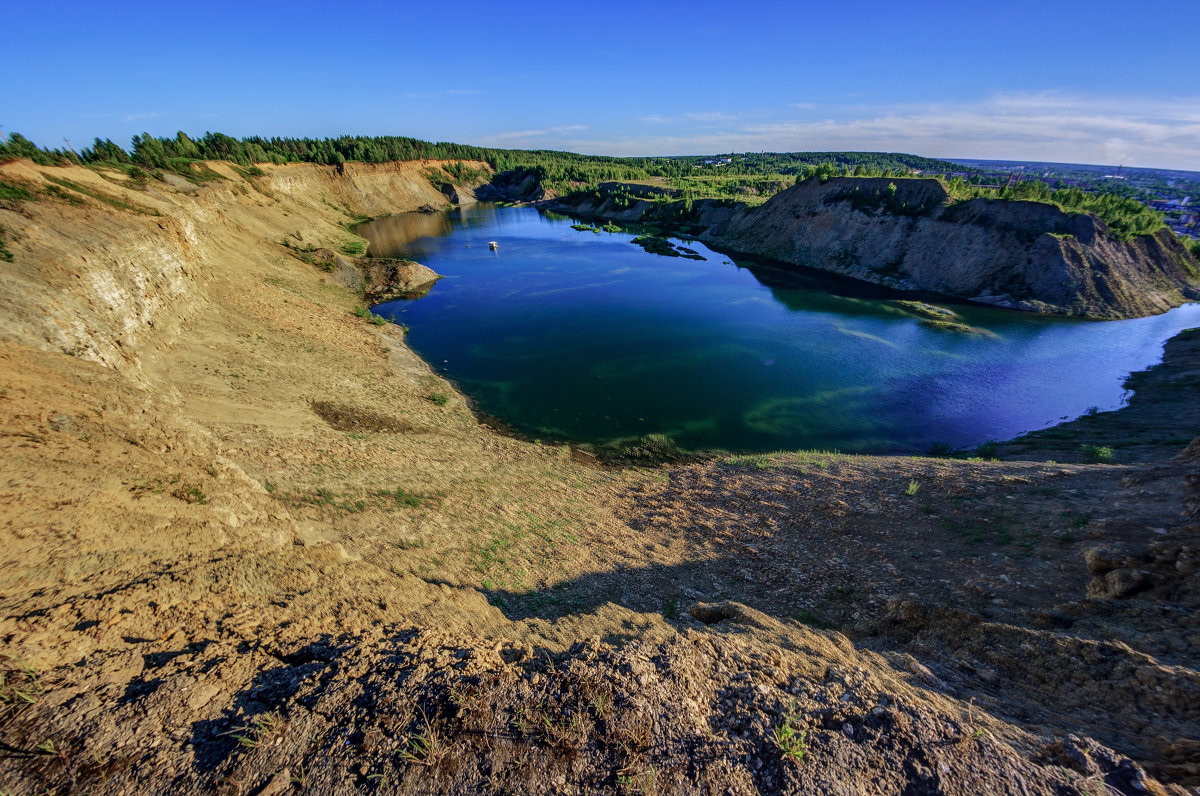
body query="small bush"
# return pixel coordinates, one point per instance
(441, 399)
(988, 449)
(354, 248)
(1098, 454)
(670, 610)
(791, 741)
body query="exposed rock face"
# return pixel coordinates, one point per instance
(379, 279)
(519, 185)
(904, 234)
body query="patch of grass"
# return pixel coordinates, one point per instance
(402, 497)
(328, 501)
(154, 486)
(648, 450)
(15, 192)
(362, 312)
(423, 748)
(441, 399)
(759, 461)
(645, 783)
(791, 741)
(191, 494)
(1098, 454)
(106, 198)
(260, 729)
(354, 248)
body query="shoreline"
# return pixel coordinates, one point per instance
(243, 547)
(604, 449)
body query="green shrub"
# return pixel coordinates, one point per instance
(1098, 454)
(648, 450)
(988, 449)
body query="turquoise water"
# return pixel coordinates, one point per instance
(586, 337)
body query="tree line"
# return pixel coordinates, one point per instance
(735, 174)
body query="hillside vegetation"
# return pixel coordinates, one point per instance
(750, 177)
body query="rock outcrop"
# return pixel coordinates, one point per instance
(907, 234)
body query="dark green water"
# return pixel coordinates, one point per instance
(585, 337)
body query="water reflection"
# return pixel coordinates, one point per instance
(584, 336)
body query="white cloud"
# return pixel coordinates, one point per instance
(1021, 126)
(517, 135)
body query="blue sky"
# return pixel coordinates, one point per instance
(1097, 82)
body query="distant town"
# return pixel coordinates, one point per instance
(1175, 194)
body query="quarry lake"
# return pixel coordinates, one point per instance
(582, 336)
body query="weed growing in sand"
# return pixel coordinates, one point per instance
(601, 704)
(791, 741)
(260, 729)
(154, 486)
(1098, 454)
(424, 748)
(20, 688)
(191, 494)
(913, 487)
(670, 609)
(645, 782)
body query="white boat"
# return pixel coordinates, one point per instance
(493, 245)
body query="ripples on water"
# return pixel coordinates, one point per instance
(582, 336)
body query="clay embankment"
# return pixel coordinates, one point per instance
(251, 543)
(906, 235)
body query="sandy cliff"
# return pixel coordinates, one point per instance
(1023, 255)
(249, 543)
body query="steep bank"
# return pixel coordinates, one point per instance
(250, 543)
(906, 234)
